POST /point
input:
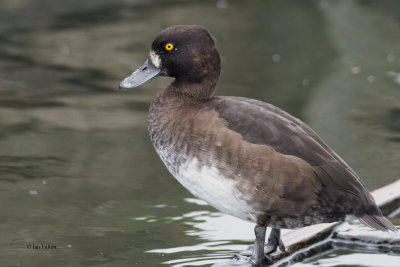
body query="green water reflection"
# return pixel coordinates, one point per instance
(76, 167)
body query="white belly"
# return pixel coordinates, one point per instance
(208, 184)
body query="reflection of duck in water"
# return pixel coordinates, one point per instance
(244, 157)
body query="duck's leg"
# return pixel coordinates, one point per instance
(257, 256)
(274, 241)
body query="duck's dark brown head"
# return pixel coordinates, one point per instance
(185, 52)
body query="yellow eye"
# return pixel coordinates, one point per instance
(169, 46)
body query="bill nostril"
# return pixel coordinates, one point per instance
(145, 68)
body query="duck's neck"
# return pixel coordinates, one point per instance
(199, 91)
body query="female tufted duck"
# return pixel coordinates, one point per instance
(244, 157)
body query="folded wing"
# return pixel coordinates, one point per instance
(264, 124)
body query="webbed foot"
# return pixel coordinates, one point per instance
(257, 255)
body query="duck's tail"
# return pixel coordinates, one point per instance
(378, 222)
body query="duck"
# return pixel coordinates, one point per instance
(244, 157)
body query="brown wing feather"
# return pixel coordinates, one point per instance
(262, 123)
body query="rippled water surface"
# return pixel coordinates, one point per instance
(77, 170)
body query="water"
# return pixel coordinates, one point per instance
(77, 170)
